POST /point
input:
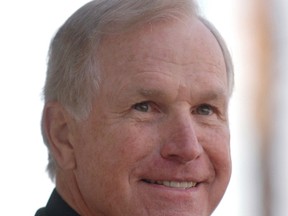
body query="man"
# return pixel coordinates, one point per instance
(135, 115)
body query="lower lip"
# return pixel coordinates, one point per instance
(172, 196)
(173, 199)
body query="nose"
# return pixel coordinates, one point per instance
(181, 140)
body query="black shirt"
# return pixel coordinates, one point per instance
(56, 206)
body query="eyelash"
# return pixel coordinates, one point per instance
(139, 106)
(148, 105)
(212, 109)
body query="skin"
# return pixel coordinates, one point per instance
(160, 115)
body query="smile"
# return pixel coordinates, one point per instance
(173, 184)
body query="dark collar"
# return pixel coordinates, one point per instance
(56, 206)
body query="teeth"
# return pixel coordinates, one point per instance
(174, 184)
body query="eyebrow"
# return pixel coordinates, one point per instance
(151, 92)
(214, 95)
(207, 96)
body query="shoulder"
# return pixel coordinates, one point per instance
(41, 212)
(56, 206)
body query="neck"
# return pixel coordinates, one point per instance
(67, 187)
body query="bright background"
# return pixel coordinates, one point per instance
(256, 33)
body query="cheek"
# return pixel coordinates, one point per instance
(216, 143)
(106, 160)
(121, 145)
(217, 148)
(133, 148)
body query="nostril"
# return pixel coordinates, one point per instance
(181, 150)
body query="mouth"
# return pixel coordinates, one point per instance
(173, 184)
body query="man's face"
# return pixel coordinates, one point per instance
(157, 140)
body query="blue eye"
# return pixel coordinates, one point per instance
(142, 107)
(204, 109)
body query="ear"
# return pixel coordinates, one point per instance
(57, 127)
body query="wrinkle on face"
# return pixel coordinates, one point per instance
(177, 69)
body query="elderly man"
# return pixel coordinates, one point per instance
(135, 116)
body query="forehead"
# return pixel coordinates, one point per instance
(184, 48)
(160, 40)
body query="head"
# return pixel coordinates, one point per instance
(135, 115)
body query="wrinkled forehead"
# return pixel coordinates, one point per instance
(181, 41)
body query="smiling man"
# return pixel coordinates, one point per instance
(135, 116)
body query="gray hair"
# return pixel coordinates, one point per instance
(73, 73)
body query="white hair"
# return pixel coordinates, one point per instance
(72, 73)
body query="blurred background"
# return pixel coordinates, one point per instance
(257, 35)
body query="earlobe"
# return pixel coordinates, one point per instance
(56, 125)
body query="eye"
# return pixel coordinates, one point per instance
(204, 109)
(142, 107)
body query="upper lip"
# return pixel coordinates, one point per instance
(173, 183)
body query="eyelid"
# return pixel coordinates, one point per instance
(135, 106)
(211, 107)
(148, 103)
(218, 112)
